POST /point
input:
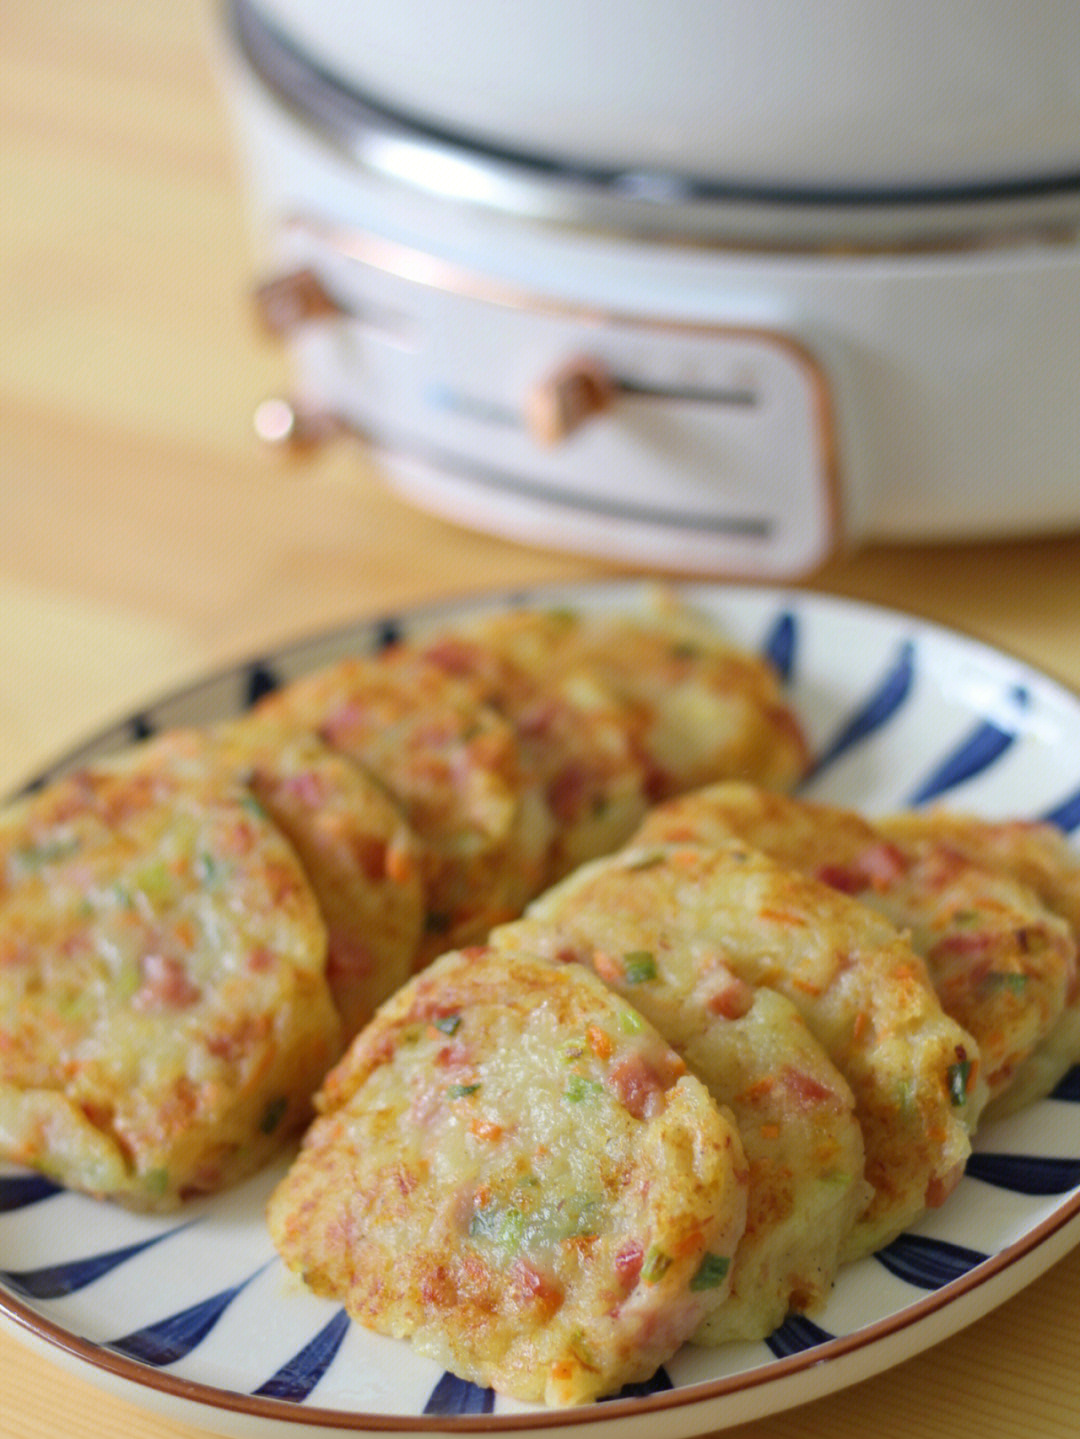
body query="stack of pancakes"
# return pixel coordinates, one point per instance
(613, 1043)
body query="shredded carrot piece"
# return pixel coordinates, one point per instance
(582, 1244)
(607, 967)
(599, 1042)
(782, 916)
(485, 1128)
(687, 1243)
(806, 986)
(399, 865)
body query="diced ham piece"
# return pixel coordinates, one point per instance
(724, 994)
(636, 1085)
(165, 984)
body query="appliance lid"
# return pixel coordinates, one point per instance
(635, 199)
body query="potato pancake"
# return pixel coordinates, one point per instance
(752, 1049)
(1038, 855)
(453, 765)
(512, 1168)
(863, 992)
(1000, 961)
(361, 858)
(698, 708)
(575, 736)
(164, 1011)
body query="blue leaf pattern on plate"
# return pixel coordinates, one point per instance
(875, 712)
(174, 1337)
(32, 786)
(260, 680)
(19, 1190)
(458, 1396)
(660, 1383)
(1066, 814)
(985, 744)
(296, 1379)
(387, 633)
(1026, 1173)
(796, 1334)
(55, 1280)
(1069, 1088)
(781, 644)
(140, 727)
(927, 1263)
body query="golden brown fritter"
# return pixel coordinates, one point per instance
(575, 736)
(1000, 961)
(513, 1169)
(863, 992)
(751, 1047)
(361, 858)
(1038, 855)
(697, 708)
(453, 765)
(164, 1011)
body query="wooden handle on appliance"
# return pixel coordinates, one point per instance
(565, 399)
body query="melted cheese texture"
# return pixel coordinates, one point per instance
(1001, 962)
(512, 1167)
(164, 1012)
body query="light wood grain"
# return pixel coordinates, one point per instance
(146, 537)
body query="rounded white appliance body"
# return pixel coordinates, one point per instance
(731, 90)
(762, 407)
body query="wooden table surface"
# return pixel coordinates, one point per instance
(145, 537)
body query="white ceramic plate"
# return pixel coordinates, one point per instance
(195, 1317)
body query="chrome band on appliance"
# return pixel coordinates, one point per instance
(645, 204)
(573, 501)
